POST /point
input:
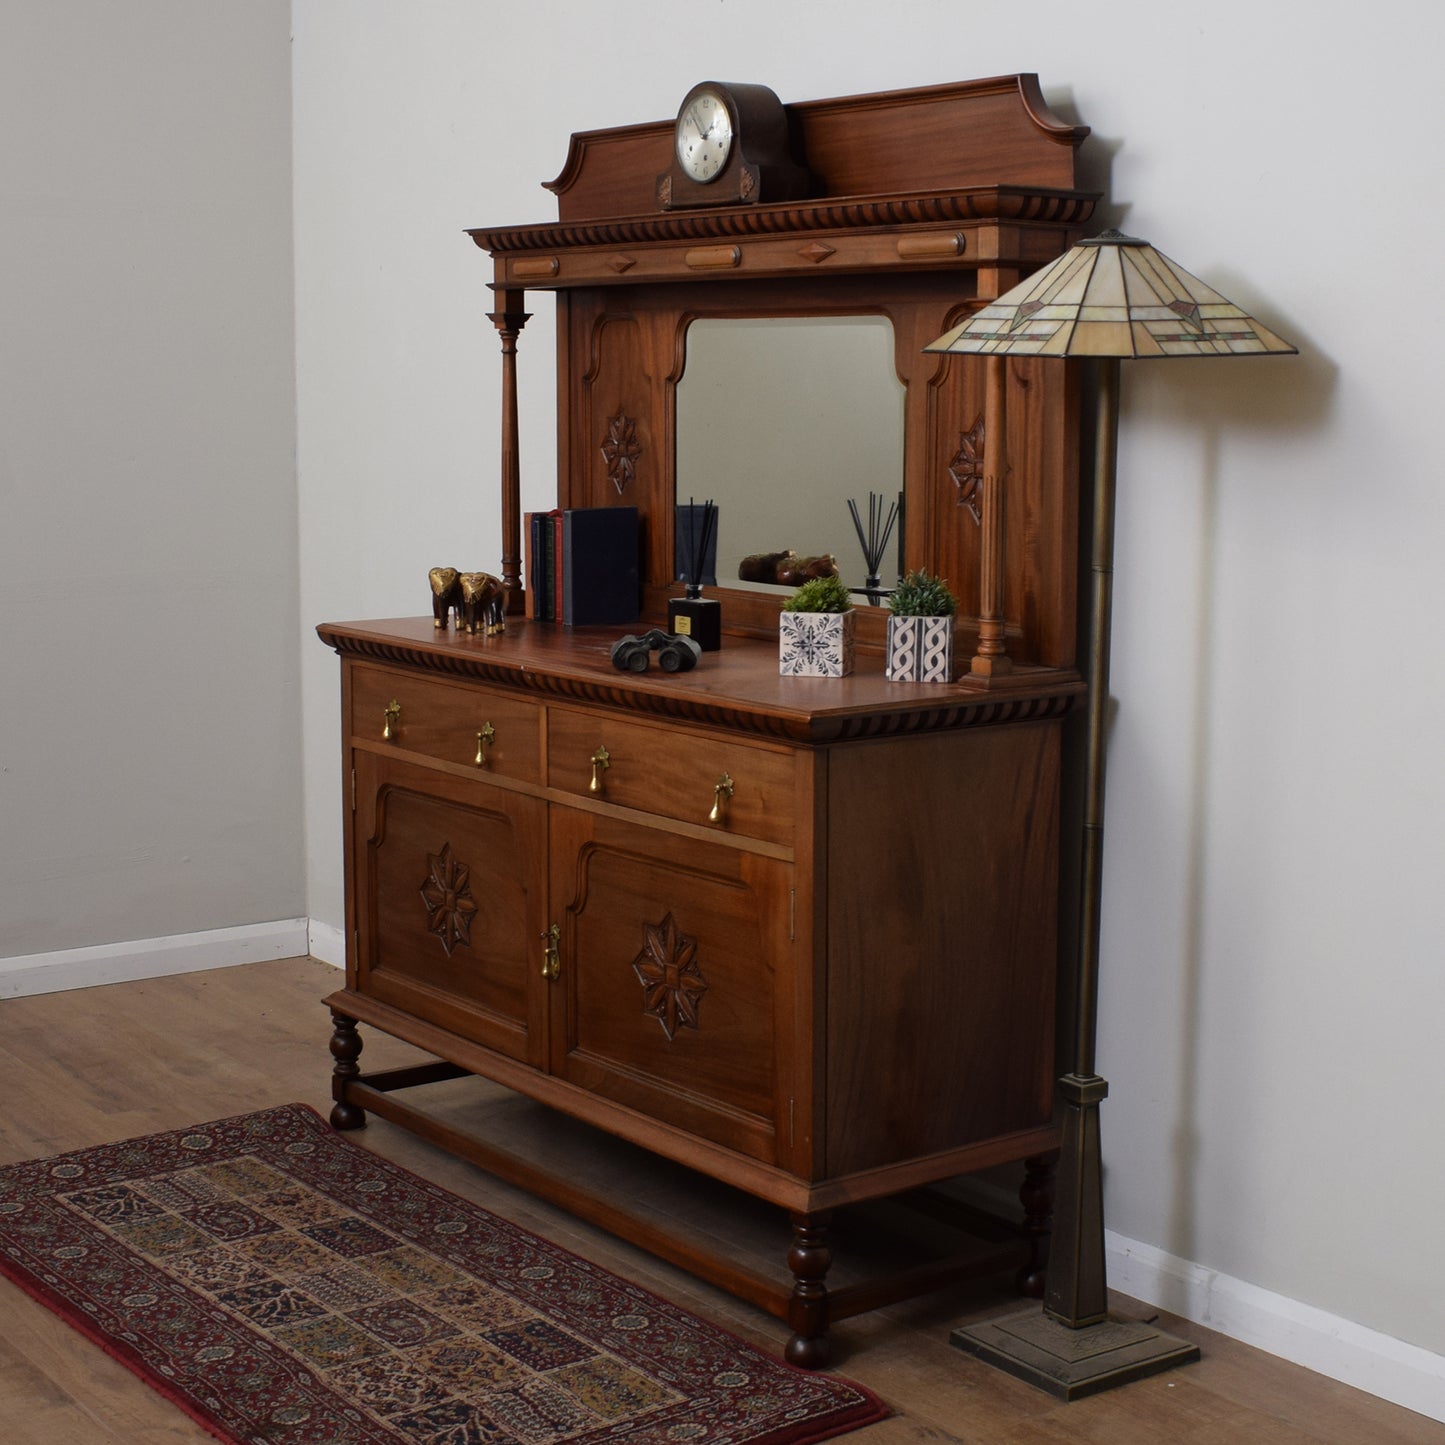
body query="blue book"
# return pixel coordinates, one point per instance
(601, 576)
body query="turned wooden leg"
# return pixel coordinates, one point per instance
(345, 1049)
(1036, 1194)
(808, 1260)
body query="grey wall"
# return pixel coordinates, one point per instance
(150, 779)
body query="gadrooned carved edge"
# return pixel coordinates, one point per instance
(984, 203)
(953, 712)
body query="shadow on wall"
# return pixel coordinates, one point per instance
(1203, 402)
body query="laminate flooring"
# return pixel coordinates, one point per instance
(91, 1066)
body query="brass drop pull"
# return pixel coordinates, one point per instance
(551, 954)
(600, 763)
(720, 795)
(485, 735)
(391, 726)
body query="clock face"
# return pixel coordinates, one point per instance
(704, 136)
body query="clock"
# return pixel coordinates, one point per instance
(731, 145)
(704, 135)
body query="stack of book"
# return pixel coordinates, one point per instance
(582, 565)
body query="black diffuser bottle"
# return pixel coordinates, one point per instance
(693, 615)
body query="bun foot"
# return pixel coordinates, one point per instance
(1031, 1282)
(811, 1352)
(348, 1116)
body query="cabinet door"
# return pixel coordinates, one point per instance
(677, 971)
(450, 889)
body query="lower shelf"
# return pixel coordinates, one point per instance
(836, 1264)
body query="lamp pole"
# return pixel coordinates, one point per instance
(1077, 1291)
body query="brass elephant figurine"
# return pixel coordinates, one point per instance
(446, 595)
(484, 603)
(478, 599)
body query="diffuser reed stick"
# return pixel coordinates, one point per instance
(874, 541)
(699, 538)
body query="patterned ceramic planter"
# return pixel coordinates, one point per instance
(815, 644)
(920, 649)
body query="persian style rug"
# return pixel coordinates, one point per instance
(285, 1286)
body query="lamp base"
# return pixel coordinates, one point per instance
(1073, 1363)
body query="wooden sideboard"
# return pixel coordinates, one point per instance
(799, 935)
(833, 984)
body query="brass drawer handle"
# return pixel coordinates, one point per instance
(551, 954)
(720, 795)
(600, 763)
(485, 735)
(392, 726)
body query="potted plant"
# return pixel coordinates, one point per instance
(920, 630)
(815, 630)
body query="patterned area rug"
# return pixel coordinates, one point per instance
(284, 1286)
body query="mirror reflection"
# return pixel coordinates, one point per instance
(783, 422)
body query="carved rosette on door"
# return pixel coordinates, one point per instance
(620, 450)
(447, 894)
(667, 969)
(966, 469)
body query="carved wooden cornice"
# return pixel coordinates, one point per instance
(1015, 204)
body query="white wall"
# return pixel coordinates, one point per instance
(1272, 989)
(150, 779)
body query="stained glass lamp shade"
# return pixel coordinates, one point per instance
(1112, 295)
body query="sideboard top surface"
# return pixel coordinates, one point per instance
(738, 687)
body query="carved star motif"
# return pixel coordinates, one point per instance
(966, 469)
(672, 985)
(447, 894)
(621, 450)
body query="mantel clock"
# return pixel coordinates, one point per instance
(731, 146)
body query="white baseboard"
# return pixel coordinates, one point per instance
(1353, 1354)
(151, 957)
(328, 943)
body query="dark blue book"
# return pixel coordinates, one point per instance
(601, 578)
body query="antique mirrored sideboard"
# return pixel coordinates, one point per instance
(799, 935)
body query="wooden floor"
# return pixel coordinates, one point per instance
(96, 1065)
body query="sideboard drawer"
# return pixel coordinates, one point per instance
(453, 722)
(674, 773)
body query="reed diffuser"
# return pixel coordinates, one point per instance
(693, 615)
(874, 541)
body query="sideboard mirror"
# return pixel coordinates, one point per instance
(824, 426)
(667, 317)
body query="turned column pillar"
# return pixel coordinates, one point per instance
(992, 656)
(509, 320)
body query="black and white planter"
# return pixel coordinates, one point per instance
(815, 644)
(920, 649)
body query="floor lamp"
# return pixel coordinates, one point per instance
(1110, 297)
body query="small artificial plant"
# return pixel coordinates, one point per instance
(920, 595)
(820, 594)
